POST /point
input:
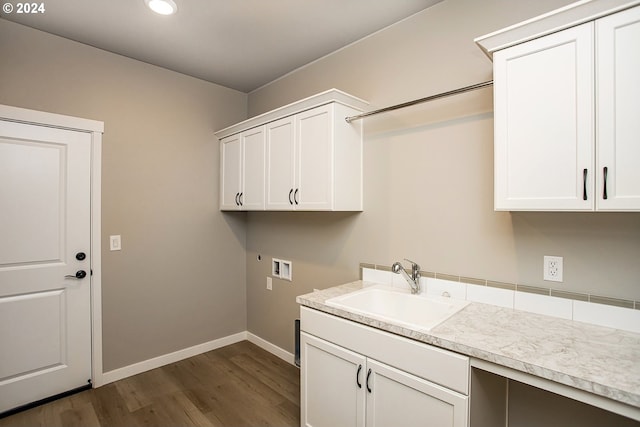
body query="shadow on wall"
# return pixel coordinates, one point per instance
(439, 113)
(237, 222)
(298, 234)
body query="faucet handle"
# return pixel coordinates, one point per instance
(414, 265)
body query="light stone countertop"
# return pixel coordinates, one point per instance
(595, 359)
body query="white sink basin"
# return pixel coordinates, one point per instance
(397, 306)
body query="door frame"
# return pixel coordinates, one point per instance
(96, 129)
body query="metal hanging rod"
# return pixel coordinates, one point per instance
(421, 100)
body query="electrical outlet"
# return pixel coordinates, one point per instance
(269, 283)
(553, 268)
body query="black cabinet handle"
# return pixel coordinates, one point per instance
(368, 375)
(237, 203)
(584, 184)
(358, 376)
(295, 196)
(605, 172)
(240, 198)
(290, 192)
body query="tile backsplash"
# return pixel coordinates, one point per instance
(597, 310)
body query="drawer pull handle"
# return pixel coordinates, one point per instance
(358, 376)
(290, 193)
(295, 196)
(368, 375)
(605, 172)
(584, 184)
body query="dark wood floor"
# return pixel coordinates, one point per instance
(238, 385)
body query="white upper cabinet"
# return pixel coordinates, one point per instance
(618, 111)
(315, 160)
(281, 161)
(543, 94)
(253, 169)
(230, 172)
(312, 158)
(567, 137)
(242, 170)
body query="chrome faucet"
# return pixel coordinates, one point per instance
(414, 279)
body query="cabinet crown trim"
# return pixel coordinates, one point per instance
(326, 97)
(559, 19)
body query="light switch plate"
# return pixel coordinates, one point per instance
(115, 243)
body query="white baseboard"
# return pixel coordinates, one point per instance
(156, 362)
(271, 348)
(176, 356)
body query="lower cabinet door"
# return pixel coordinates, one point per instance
(398, 399)
(332, 384)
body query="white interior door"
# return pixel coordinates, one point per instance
(45, 222)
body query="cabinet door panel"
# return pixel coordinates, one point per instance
(315, 159)
(544, 122)
(400, 399)
(330, 395)
(618, 52)
(280, 164)
(230, 172)
(253, 166)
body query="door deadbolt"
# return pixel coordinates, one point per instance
(80, 256)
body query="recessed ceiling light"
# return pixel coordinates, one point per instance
(163, 7)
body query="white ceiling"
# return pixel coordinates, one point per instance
(241, 44)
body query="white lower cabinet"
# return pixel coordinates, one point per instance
(343, 387)
(397, 398)
(332, 384)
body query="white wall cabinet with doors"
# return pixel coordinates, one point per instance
(242, 169)
(567, 136)
(312, 157)
(354, 375)
(314, 161)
